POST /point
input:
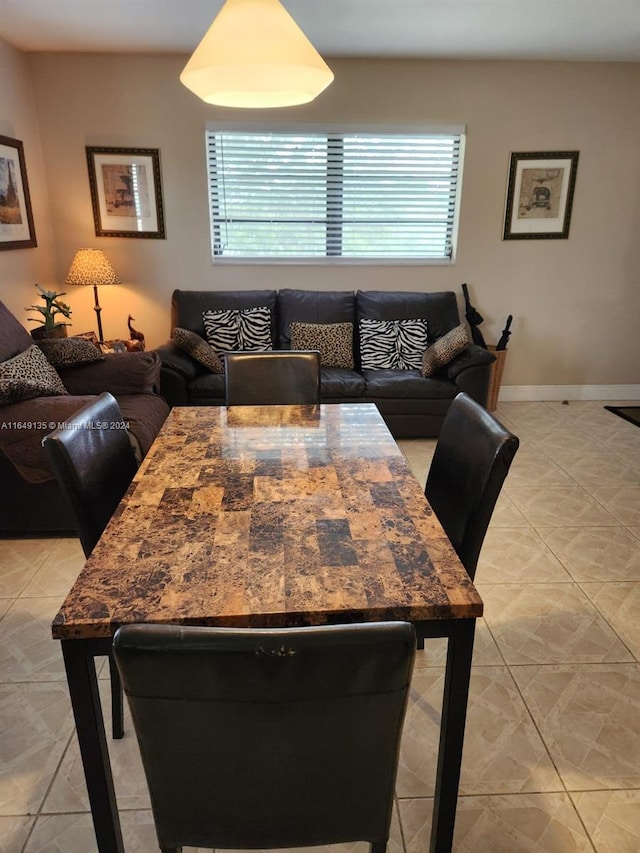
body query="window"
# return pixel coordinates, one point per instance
(337, 195)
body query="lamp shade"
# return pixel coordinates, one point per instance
(91, 266)
(254, 55)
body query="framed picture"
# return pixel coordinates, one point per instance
(88, 336)
(126, 193)
(540, 195)
(16, 218)
(112, 346)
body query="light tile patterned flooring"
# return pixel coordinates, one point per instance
(552, 751)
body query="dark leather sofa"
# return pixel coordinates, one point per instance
(412, 406)
(30, 500)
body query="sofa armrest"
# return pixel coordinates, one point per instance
(178, 361)
(119, 373)
(177, 370)
(472, 356)
(470, 371)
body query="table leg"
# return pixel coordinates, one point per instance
(87, 711)
(454, 712)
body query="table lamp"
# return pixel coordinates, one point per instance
(91, 266)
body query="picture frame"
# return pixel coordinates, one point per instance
(17, 230)
(126, 192)
(89, 336)
(107, 347)
(540, 195)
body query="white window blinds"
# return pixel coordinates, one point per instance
(315, 195)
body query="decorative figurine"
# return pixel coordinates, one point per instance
(136, 344)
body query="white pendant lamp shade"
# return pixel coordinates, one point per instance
(254, 55)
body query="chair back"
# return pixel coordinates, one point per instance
(471, 460)
(268, 738)
(94, 463)
(272, 378)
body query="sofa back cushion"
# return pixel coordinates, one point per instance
(187, 306)
(313, 306)
(439, 309)
(14, 338)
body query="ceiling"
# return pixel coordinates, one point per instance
(601, 30)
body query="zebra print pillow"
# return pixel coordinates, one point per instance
(233, 329)
(392, 344)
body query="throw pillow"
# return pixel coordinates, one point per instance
(334, 342)
(197, 348)
(392, 344)
(444, 350)
(245, 329)
(65, 352)
(28, 375)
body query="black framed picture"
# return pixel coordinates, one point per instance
(16, 218)
(540, 195)
(126, 192)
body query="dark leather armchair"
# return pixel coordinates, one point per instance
(272, 378)
(472, 458)
(268, 738)
(94, 463)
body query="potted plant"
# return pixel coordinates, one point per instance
(51, 327)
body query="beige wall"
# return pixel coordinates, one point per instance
(20, 269)
(575, 302)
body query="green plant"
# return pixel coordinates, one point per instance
(51, 308)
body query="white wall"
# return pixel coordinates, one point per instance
(575, 302)
(20, 269)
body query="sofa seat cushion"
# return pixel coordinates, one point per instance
(206, 387)
(406, 384)
(144, 414)
(336, 382)
(24, 425)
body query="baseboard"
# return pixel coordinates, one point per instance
(510, 393)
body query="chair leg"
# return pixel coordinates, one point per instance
(378, 847)
(117, 701)
(171, 850)
(419, 642)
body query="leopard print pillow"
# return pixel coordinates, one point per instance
(334, 342)
(444, 350)
(198, 349)
(28, 375)
(67, 352)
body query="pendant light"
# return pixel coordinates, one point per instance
(254, 55)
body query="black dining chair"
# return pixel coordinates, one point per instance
(94, 463)
(472, 458)
(289, 377)
(268, 738)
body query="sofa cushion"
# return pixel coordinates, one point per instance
(312, 306)
(439, 309)
(334, 342)
(392, 344)
(206, 388)
(406, 384)
(247, 329)
(65, 352)
(28, 375)
(444, 350)
(14, 338)
(337, 382)
(198, 349)
(187, 306)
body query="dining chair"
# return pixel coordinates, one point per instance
(472, 458)
(94, 463)
(265, 738)
(277, 377)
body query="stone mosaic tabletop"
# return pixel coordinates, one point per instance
(270, 516)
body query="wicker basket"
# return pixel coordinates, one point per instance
(495, 377)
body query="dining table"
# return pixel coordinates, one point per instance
(262, 517)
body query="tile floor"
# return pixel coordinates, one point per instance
(552, 752)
